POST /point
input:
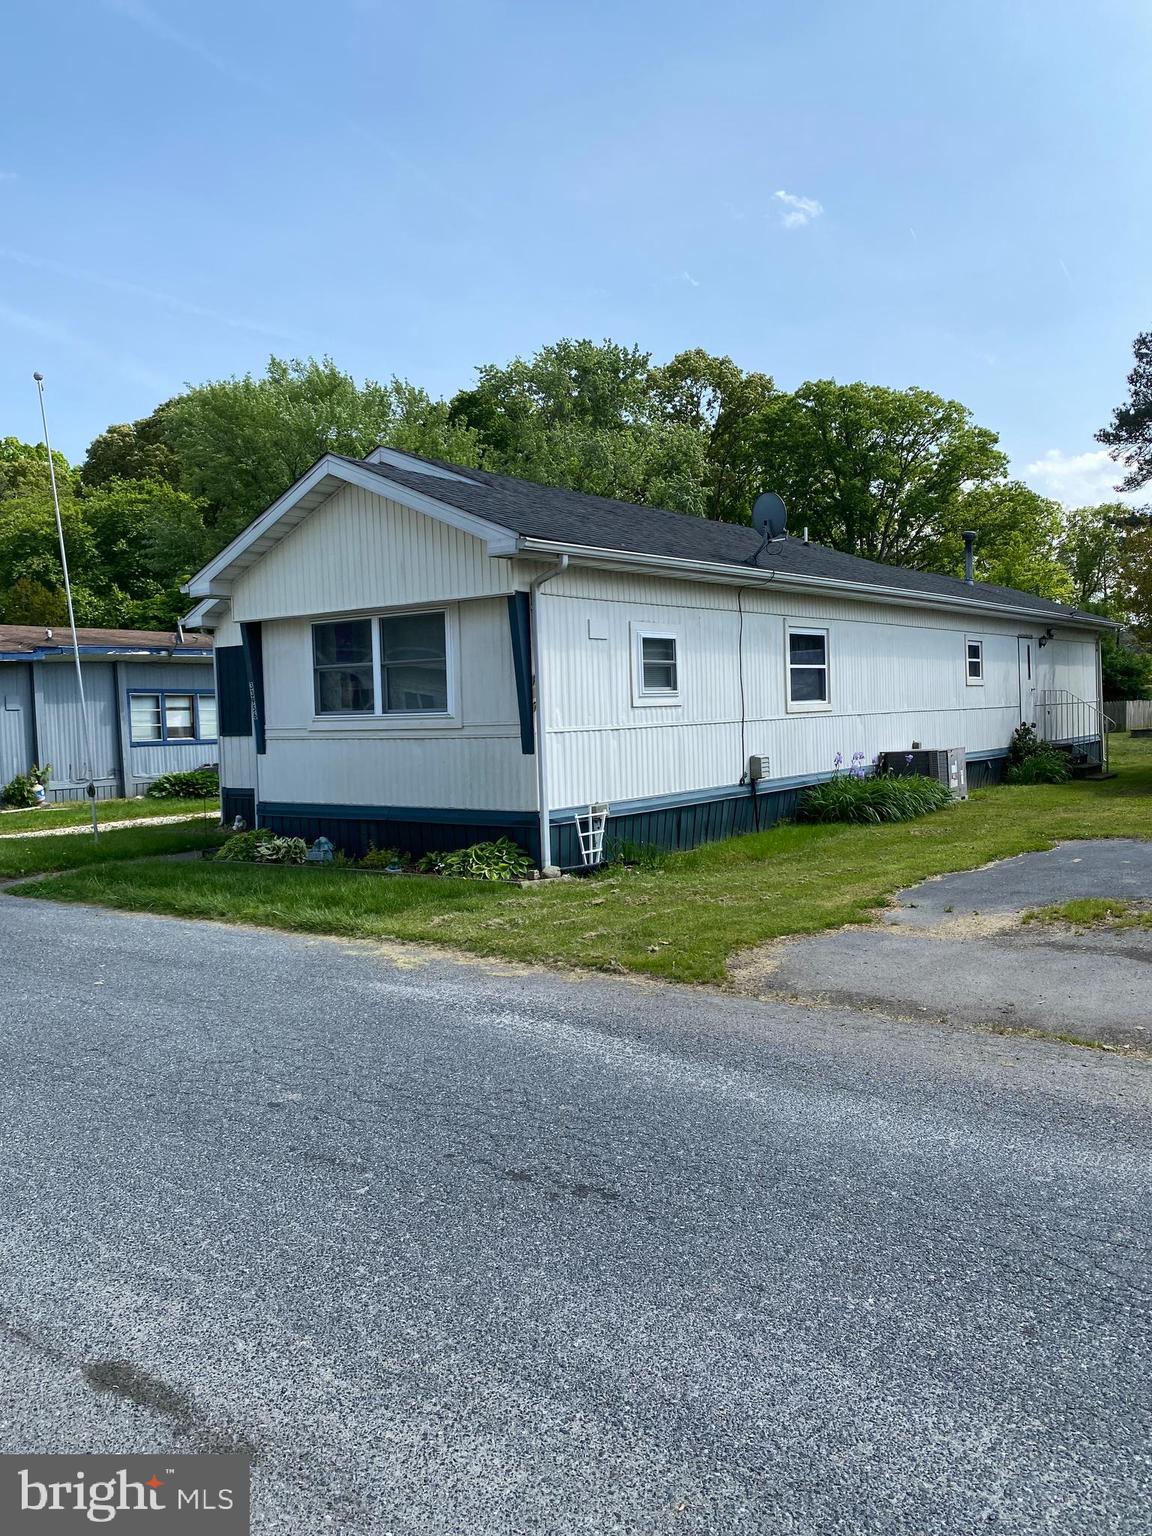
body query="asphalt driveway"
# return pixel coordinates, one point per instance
(458, 1250)
(955, 950)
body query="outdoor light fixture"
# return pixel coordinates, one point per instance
(1049, 634)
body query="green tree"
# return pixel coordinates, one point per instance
(1019, 537)
(1126, 670)
(1092, 550)
(719, 401)
(876, 472)
(24, 469)
(599, 417)
(240, 443)
(1129, 434)
(137, 450)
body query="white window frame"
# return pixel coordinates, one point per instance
(973, 682)
(379, 719)
(655, 698)
(808, 706)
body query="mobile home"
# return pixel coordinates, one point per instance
(420, 655)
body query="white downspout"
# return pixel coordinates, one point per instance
(542, 801)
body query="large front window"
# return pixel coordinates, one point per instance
(388, 666)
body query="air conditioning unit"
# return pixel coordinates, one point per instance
(946, 764)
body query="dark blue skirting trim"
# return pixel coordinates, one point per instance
(412, 829)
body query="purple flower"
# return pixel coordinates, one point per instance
(908, 757)
(838, 760)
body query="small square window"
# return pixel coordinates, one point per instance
(206, 706)
(658, 663)
(974, 660)
(655, 667)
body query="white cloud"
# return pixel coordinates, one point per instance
(1078, 479)
(797, 211)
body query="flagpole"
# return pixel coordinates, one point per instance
(39, 377)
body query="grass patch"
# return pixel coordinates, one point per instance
(1094, 912)
(303, 899)
(681, 920)
(75, 813)
(35, 855)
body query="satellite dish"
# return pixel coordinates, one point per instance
(769, 515)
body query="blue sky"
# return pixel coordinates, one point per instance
(418, 189)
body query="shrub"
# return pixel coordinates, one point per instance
(195, 784)
(281, 850)
(20, 792)
(1032, 761)
(263, 847)
(877, 799)
(501, 860)
(380, 858)
(243, 845)
(1044, 767)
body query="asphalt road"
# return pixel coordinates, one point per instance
(455, 1250)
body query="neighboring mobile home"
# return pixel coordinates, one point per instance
(151, 699)
(423, 656)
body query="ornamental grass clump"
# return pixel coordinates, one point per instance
(880, 798)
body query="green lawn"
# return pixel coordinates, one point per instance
(34, 855)
(682, 921)
(75, 813)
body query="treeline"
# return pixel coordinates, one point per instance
(892, 475)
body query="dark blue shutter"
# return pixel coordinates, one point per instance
(520, 626)
(233, 697)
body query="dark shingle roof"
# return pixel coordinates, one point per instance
(571, 517)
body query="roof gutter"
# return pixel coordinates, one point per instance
(749, 576)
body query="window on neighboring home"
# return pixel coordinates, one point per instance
(147, 718)
(206, 703)
(344, 669)
(166, 716)
(395, 665)
(808, 669)
(974, 661)
(414, 663)
(179, 717)
(655, 668)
